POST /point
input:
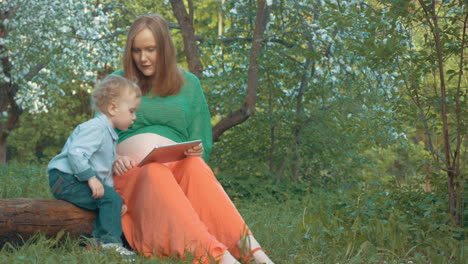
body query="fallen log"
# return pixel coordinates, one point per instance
(20, 218)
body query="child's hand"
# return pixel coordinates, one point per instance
(96, 188)
(122, 164)
(124, 209)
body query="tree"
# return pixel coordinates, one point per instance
(327, 87)
(64, 42)
(248, 106)
(185, 20)
(439, 35)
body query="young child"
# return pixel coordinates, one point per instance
(82, 173)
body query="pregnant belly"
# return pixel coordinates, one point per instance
(138, 146)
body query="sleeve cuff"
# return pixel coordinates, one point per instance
(85, 175)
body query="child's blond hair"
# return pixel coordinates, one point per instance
(111, 89)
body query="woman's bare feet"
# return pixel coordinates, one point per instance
(249, 245)
(228, 259)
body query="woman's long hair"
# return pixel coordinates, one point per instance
(168, 78)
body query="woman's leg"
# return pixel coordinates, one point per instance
(160, 219)
(211, 202)
(253, 251)
(216, 209)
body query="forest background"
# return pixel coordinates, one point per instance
(353, 111)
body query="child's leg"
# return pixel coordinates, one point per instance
(107, 225)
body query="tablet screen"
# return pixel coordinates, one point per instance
(169, 153)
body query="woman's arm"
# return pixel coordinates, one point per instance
(200, 125)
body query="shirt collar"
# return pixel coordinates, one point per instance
(104, 120)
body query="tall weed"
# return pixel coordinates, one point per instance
(398, 226)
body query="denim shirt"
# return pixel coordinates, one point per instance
(89, 151)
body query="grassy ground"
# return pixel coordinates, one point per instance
(364, 226)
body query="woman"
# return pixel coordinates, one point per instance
(177, 207)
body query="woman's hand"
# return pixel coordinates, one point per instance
(122, 164)
(196, 151)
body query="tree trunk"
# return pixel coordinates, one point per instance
(299, 111)
(451, 168)
(8, 90)
(271, 157)
(23, 217)
(248, 107)
(188, 32)
(3, 142)
(12, 122)
(4, 88)
(220, 18)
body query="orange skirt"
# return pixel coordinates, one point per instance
(177, 208)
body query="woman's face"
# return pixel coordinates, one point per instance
(144, 52)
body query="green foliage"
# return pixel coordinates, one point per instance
(350, 108)
(61, 49)
(23, 181)
(335, 111)
(35, 142)
(438, 90)
(253, 188)
(334, 104)
(422, 81)
(129, 10)
(327, 91)
(403, 164)
(366, 225)
(375, 225)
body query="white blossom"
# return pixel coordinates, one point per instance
(65, 38)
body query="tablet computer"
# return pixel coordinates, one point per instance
(169, 153)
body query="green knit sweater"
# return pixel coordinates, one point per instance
(181, 117)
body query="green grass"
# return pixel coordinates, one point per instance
(360, 226)
(23, 180)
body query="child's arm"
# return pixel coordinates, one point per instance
(86, 141)
(96, 187)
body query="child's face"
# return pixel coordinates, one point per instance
(125, 109)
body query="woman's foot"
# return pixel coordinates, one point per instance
(252, 249)
(228, 259)
(259, 256)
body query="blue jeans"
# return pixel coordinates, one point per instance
(107, 226)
